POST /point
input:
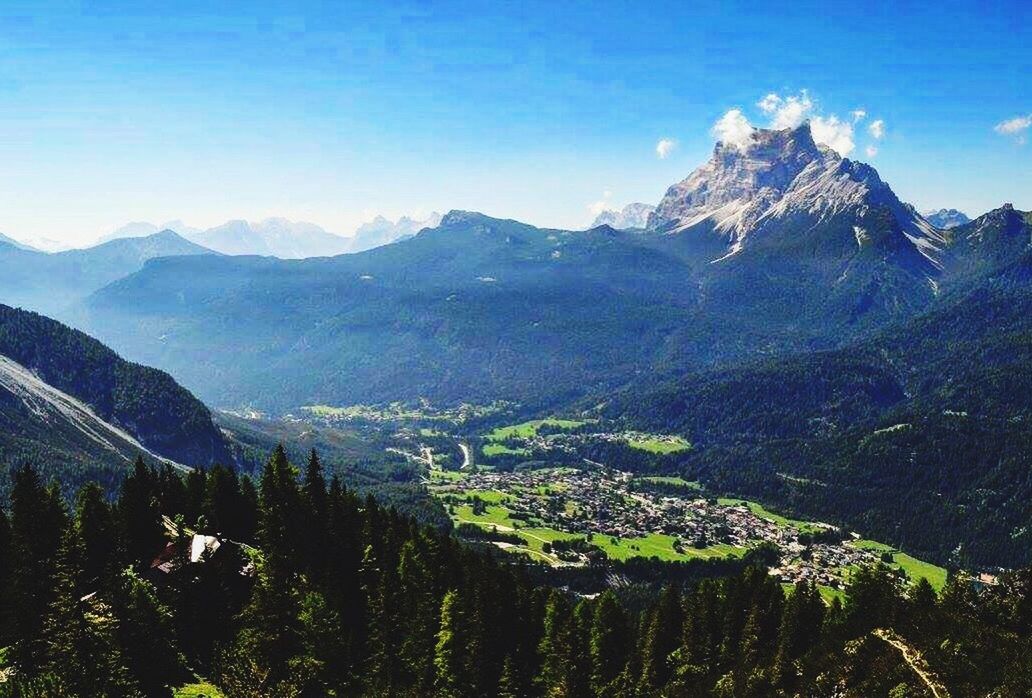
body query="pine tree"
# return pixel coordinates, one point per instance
(508, 683)
(557, 646)
(662, 637)
(6, 561)
(316, 534)
(80, 644)
(98, 530)
(420, 614)
(449, 662)
(610, 641)
(800, 629)
(140, 515)
(146, 636)
(37, 525)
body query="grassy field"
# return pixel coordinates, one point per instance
(498, 449)
(671, 480)
(759, 510)
(197, 690)
(492, 516)
(914, 569)
(660, 546)
(528, 429)
(446, 476)
(663, 446)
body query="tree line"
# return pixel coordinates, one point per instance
(292, 585)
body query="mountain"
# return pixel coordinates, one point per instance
(276, 237)
(946, 218)
(381, 231)
(52, 283)
(65, 398)
(782, 190)
(4, 240)
(775, 248)
(630, 216)
(916, 432)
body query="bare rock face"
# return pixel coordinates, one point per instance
(946, 218)
(783, 183)
(631, 216)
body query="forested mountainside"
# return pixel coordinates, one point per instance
(67, 399)
(51, 283)
(918, 433)
(290, 586)
(776, 248)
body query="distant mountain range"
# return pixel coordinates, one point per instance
(279, 237)
(780, 245)
(52, 283)
(946, 218)
(630, 216)
(381, 231)
(66, 399)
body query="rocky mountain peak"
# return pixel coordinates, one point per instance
(782, 179)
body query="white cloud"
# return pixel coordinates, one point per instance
(877, 129)
(834, 133)
(665, 147)
(786, 112)
(871, 151)
(1015, 128)
(603, 204)
(770, 103)
(733, 128)
(858, 115)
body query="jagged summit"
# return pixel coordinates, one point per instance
(634, 215)
(781, 182)
(946, 218)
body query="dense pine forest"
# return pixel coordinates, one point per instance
(289, 585)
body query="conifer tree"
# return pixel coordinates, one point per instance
(557, 646)
(662, 637)
(140, 515)
(37, 525)
(449, 661)
(79, 632)
(98, 530)
(610, 641)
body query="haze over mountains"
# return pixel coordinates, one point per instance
(780, 245)
(52, 283)
(630, 216)
(286, 239)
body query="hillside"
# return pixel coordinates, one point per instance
(66, 398)
(52, 283)
(918, 433)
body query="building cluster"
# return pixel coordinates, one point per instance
(604, 502)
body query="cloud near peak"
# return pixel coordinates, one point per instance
(733, 128)
(791, 111)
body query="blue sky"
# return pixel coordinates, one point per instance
(333, 112)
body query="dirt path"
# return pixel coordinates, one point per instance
(913, 658)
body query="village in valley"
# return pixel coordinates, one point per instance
(565, 516)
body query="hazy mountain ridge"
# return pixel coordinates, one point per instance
(52, 283)
(634, 215)
(283, 238)
(946, 218)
